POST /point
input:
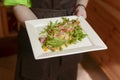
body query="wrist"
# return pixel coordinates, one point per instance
(79, 5)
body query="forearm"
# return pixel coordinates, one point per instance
(23, 13)
(83, 2)
(80, 8)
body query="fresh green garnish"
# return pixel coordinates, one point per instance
(59, 34)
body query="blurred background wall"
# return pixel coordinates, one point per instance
(104, 17)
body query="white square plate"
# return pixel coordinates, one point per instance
(91, 43)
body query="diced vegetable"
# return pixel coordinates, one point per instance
(61, 34)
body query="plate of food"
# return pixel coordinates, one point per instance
(60, 36)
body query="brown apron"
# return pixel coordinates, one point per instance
(58, 68)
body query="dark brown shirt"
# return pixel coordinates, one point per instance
(53, 4)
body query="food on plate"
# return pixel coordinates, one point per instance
(60, 34)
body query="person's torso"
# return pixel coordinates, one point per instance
(53, 4)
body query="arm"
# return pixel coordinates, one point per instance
(80, 8)
(23, 13)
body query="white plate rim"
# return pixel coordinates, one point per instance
(94, 38)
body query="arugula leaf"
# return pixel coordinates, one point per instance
(55, 39)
